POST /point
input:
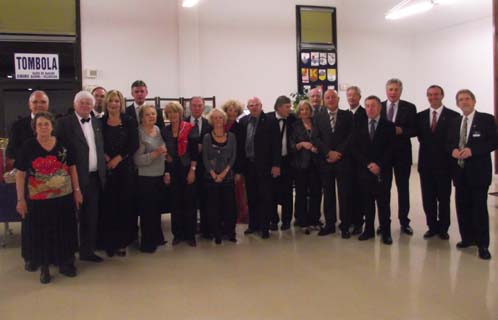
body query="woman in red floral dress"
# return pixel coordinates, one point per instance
(47, 195)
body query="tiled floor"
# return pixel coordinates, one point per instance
(289, 276)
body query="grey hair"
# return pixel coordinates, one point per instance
(32, 95)
(395, 81)
(355, 88)
(84, 95)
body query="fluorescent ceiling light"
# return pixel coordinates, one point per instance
(189, 3)
(405, 9)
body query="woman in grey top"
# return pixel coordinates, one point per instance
(219, 154)
(149, 159)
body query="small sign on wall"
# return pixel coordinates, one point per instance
(34, 66)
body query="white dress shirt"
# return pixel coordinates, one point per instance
(470, 118)
(284, 137)
(199, 122)
(353, 110)
(90, 140)
(438, 114)
(137, 108)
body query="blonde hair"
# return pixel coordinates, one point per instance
(218, 111)
(142, 111)
(111, 94)
(303, 103)
(174, 107)
(232, 104)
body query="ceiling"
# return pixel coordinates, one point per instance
(368, 15)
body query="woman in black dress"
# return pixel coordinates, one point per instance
(181, 161)
(120, 143)
(47, 194)
(305, 164)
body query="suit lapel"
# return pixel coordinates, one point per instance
(78, 129)
(473, 128)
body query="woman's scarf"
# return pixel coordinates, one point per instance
(183, 134)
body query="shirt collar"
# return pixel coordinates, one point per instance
(376, 119)
(79, 118)
(470, 117)
(353, 110)
(279, 116)
(137, 106)
(438, 110)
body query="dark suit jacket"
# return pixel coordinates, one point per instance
(477, 170)
(359, 116)
(432, 155)
(69, 132)
(291, 119)
(198, 138)
(20, 132)
(406, 118)
(130, 110)
(131, 130)
(379, 150)
(326, 140)
(267, 144)
(303, 158)
(171, 143)
(236, 129)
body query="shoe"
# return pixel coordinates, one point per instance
(387, 240)
(148, 249)
(465, 244)
(69, 270)
(326, 230)
(162, 243)
(429, 234)
(110, 253)
(307, 231)
(273, 226)
(484, 254)
(357, 230)
(249, 231)
(285, 226)
(30, 266)
(345, 235)
(265, 234)
(91, 258)
(217, 240)
(444, 236)
(192, 243)
(176, 241)
(365, 236)
(379, 231)
(407, 230)
(45, 275)
(233, 239)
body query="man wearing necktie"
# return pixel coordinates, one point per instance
(372, 144)
(331, 133)
(201, 127)
(283, 184)
(139, 93)
(472, 139)
(434, 163)
(315, 97)
(404, 116)
(82, 134)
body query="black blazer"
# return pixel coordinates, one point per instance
(20, 132)
(406, 118)
(69, 132)
(326, 140)
(198, 138)
(267, 144)
(482, 141)
(359, 116)
(192, 153)
(291, 119)
(303, 158)
(130, 111)
(130, 129)
(379, 150)
(432, 154)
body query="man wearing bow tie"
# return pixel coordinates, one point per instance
(472, 138)
(82, 134)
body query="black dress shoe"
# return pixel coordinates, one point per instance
(365, 236)
(465, 244)
(176, 241)
(273, 226)
(121, 252)
(387, 240)
(148, 249)
(429, 234)
(265, 234)
(345, 234)
(30, 266)
(69, 270)
(45, 275)
(217, 240)
(407, 230)
(444, 236)
(357, 230)
(379, 230)
(232, 239)
(326, 230)
(285, 226)
(192, 243)
(484, 254)
(110, 253)
(307, 231)
(91, 258)
(249, 231)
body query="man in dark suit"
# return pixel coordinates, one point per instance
(82, 134)
(139, 93)
(357, 198)
(99, 95)
(260, 163)
(20, 132)
(202, 127)
(434, 162)
(404, 116)
(282, 190)
(472, 138)
(315, 97)
(331, 133)
(372, 144)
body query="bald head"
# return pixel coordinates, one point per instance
(331, 100)
(38, 102)
(315, 97)
(254, 106)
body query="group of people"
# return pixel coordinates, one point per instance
(96, 178)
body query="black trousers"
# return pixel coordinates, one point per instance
(259, 186)
(221, 208)
(375, 191)
(150, 194)
(331, 175)
(308, 186)
(436, 192)
(89, 215)
(183, 215)
(472, 213)
(402, 176)
(282, 193)
(200, 196)
(357, 198)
